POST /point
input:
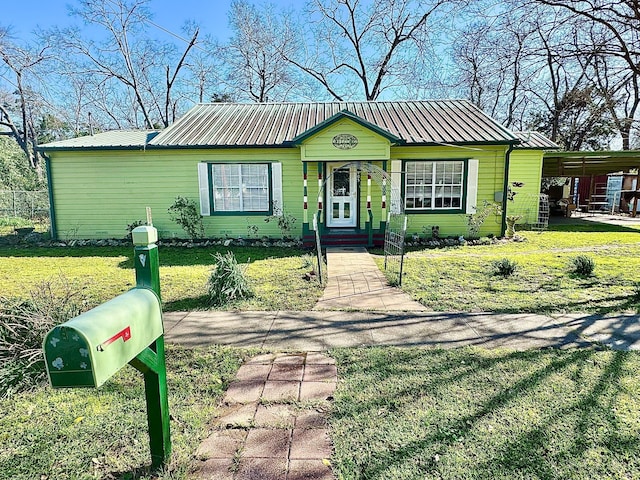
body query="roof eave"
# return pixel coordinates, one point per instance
(93, 148)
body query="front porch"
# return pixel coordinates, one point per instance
(352, 204)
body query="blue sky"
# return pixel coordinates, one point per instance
(26, 16)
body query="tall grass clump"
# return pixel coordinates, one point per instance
(582, 265)
(23, 325)
(228, 281)
(504, 267)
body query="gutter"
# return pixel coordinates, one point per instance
(505, 189)
(52, 210)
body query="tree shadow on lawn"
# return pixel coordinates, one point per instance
(187, 304)
(169, 256)
(186, 257)
(455, 441)
(580, 225)
(619, 303)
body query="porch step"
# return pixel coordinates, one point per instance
(334, 239)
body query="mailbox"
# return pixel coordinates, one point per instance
(87, 350)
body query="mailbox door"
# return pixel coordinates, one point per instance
(68, 358)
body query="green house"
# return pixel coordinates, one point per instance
(340, 167)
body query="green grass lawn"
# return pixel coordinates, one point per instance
(486, 414)
(418, 414)
(460, 278)
(87, 434)
(101, 273)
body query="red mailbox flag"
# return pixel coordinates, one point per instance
(124, 334)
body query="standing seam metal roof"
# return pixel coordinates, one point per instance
(277, 124)
(535, 140)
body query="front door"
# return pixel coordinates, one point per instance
(342, 196)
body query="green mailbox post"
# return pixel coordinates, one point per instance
(87, 350)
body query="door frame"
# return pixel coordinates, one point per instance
(354, 172)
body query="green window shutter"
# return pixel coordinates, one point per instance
(396, 186)
(276, 183)
(203, 182)
(472, 185)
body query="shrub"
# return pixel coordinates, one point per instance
(504, 267)
(582, 265)
(475, 220)
(227, 281)
(23, 325)
(185, 213)
(285, 220)
(131, 227)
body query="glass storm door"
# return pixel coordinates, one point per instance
(342, 199)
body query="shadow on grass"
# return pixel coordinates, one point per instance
(468, 414)
(611, 304)
(557, 224)
(188, 303)
(169, 256)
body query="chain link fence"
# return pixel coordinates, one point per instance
(31, 205)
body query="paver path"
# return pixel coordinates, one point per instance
(274, 425)
(356, 283)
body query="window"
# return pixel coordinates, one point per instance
(434, 185)
(240, 188)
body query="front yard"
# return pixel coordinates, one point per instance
(100, 273)
(398, 414)
(486, 414)
(460, 278)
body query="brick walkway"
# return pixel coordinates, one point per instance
(356, 283)
(273, 426)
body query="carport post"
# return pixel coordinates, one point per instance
(151, 361)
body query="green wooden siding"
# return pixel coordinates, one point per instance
(525, 167)
(490, 180)
(96, 194)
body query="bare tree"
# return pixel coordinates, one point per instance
(149, 70)
(19, 106)
(254, 56)
(358, 48)
(616, 24)
(205, 66)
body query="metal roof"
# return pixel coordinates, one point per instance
(429, 122)
(579, 164)
(339, 116)
(535, 141)
(121, 139)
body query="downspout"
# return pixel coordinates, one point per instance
(52, 210)
(505, 189)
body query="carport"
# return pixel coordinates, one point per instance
(587, 171)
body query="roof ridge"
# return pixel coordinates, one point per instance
(331, 102)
